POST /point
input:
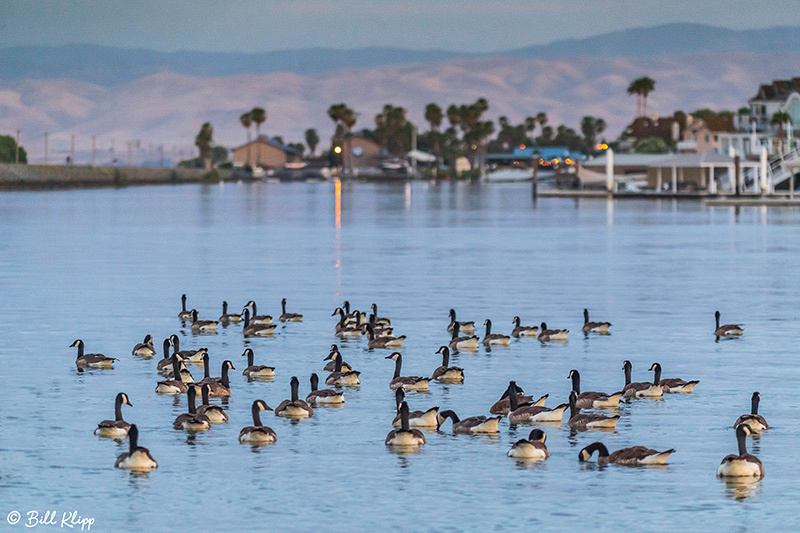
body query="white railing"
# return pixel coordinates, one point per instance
(776, 168)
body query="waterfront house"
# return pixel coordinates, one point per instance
(754, 130)
(668, 129)
(265, 151)
(359, 151)
(702, 134)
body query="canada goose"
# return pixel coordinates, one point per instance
(165, 363)
(641, 389)
(754, 421)
(463, 343)
(419, 419)
(728, 330)
(256, 371)
(744, 464)
(531, 413)
(547, 335)
(673, 385)
(215, 413)
(174, 385)
(343, 329)
(289, 317)
(406, 382)
(193, 356)
(473, 424)
(258, 433)
(587, 400)
(405, 436)
(379, 320)
(185, 314)
(380, 331)
(202, 326)
(229, 318)
(532, 448)
(594, 327)
(91, 360)
(192, 421)
(355, 316)
(387, 342)
(294, 408)
(339, 378)
(221, 386)
(467, 328)
(145, 348)
(579, 421)
(136, 458)
(636, 455)
(256, 330)
(117, 428)
(256, 318)
(324, 396)
(503, 405)
(183, 373)
(331, 366)
(494, 339)
(523, 331)
(445, 373)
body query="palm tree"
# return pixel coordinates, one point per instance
(259, 116)
(648, 85)
(312, 140)
(246, 121)
(635, 88)
(434, 116)
(346, 118)
(779, 119)
(641, 87)
(203, 141)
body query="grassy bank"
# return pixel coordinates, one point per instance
(31, 177)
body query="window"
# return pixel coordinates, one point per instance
(708, 137)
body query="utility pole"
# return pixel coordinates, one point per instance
(16, 157)
(72, 150)
(45, 148)
(94, 146)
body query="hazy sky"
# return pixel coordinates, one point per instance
(260, 25)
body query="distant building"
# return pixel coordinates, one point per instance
(668, 129)
(361, 152)
(265, 151)
(780, 95)
(754, 130)
(702, 134)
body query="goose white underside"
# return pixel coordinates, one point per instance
(102, 364)
(329, 400)
(682, 389)
(111, 432)
(427, 420)
(612, 401)
(403, 438)
(193, 427)
(607, 423)
(490, 426)
(499, 342)
(347, 381)
(216, 416)
(754, 425)
(452, 376)
(556, 415)
(418, 386)
(654, 391)
(145, 352)
(256, 437)
(467, 344)
(738, 468)
(162, 388)
(526, 450)
(655, 459)
(293, 412)
(533, 332)
(138, 461)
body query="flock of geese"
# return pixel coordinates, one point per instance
(513, 404)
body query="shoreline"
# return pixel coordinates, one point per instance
(59, 177)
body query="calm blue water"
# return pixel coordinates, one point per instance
(109, 266)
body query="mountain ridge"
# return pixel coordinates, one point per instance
(109, 66)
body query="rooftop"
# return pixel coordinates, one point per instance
(779, 90)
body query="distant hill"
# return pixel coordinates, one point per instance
(109, 66)
(168, 108)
